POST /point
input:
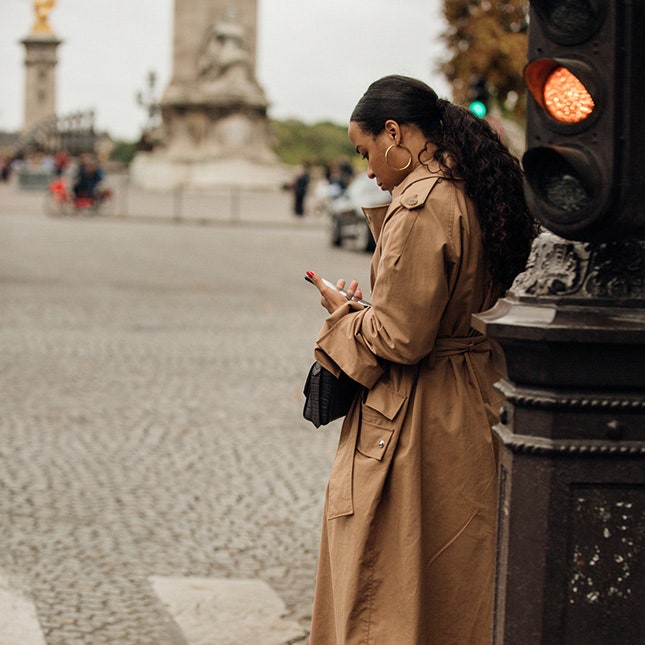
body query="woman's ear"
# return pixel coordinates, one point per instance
(393, 130)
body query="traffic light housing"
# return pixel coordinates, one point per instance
(584, 163)
(478, 96)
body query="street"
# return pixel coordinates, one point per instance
(151, 416)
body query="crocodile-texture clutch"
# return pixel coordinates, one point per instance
(327, 397)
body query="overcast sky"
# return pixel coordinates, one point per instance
(315, 57)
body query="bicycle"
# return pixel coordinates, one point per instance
(60, 200)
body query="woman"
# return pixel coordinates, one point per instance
(408, 545)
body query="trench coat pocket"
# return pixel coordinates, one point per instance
(378, 414)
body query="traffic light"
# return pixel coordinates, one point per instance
(584, 162)
(478, 97)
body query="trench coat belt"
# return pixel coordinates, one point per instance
(449, 346)
(453, 345)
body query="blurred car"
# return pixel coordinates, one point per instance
(347, 219)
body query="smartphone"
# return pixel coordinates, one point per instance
(333, 286)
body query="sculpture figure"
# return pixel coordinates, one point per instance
(42, 9)
(224, 56)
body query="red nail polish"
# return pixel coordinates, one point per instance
(310, 274)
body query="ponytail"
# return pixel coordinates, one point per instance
(468, 150)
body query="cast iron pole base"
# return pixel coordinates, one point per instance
(571, 549)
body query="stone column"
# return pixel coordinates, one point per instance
(191, 21)
(40, 77)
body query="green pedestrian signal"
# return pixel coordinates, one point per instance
(478, 108)
(478, 96)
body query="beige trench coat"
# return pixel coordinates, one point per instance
(407, 552)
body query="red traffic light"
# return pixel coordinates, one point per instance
(559, 91)
(585, 157)
(568, 176)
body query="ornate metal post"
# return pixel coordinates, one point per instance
(571, 549)
(571, 565)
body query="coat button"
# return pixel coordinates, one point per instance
(381, 444)
(411, 201)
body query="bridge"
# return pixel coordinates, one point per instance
(74, 132)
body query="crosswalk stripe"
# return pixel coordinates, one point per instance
(18, 619)
(212, 611)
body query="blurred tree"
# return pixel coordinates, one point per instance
(488, 39)
(123, 152)
(297, 142)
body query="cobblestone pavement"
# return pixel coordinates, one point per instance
(150, 414)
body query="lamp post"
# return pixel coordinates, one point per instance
(571, 548)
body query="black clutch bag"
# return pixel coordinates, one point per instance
(327, 397)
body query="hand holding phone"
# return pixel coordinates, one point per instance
(364, 303)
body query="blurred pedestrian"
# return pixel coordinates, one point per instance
(61, 162)
(407, 553)
(346, 172)
(89, 176)
(300, 187)
(335, 178)
(5, 168)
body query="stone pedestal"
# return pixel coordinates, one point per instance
(40, 77)
(215, 130)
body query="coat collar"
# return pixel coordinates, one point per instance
(411, 193)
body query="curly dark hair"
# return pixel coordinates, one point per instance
(468, 150)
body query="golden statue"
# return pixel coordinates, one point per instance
(42, 9)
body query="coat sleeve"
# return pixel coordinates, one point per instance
(412, 287)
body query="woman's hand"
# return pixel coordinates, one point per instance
(331, 298)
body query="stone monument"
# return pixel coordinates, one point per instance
(40, 67)
(215, 130)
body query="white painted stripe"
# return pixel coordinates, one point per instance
(18, 619)
(212, 611)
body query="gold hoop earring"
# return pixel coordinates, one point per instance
(387, 161)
